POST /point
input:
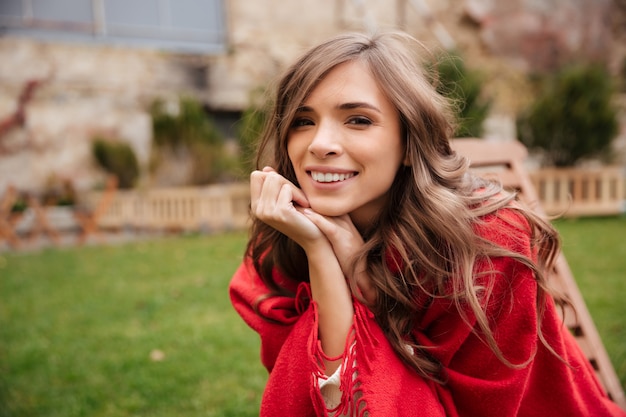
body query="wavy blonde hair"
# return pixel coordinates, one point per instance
(429, 221)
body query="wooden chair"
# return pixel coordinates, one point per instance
(7, 223)
(504, 160)
(41, 225)
(88, 218)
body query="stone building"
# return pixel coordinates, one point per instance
(97, 76)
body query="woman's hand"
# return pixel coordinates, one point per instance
(342, 234)
(346, 242)
(279, 203)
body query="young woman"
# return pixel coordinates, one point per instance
(383, 277)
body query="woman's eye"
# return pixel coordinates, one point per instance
(359, 120)
(300, 122)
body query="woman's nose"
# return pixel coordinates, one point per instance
(325, 142)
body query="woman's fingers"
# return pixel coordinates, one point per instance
(274, 200)
(258, 181)
(298, 196)
(325, 224)
(346, 242)
(341, 232)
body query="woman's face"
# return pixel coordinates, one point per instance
(345, 145)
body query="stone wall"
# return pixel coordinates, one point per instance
(84, 91)
(266, 35)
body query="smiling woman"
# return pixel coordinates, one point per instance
(383, 277)
(346, 129)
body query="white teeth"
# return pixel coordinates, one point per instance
(330, 177)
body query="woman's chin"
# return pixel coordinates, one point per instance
(327, 209)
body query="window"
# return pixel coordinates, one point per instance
(180, 25)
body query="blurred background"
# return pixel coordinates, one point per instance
(122, 121)
(78, 72)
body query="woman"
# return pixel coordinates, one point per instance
(384, 278)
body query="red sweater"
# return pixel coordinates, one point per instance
(478, 383)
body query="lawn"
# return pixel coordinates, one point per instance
(595, 250)
(146, 328)
(143, 329)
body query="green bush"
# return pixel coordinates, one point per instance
(191, 131)
(189, 124)
(117, 158)
(463, 87)
(573, 117)
(210, 164)
(249, 130)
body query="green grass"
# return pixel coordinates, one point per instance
(78, 325)
(595, 249)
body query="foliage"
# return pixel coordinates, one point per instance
(58, 191)
(188, 130)
(463, 86)
(573, 117)
(249, 130)
(20, 205)
(188, 124)
(117, 158)
(210, 164)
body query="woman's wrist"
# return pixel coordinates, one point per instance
(319, 250)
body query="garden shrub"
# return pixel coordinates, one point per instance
(190, 131)
(249, 130)
(573, 117)
(189, 124)
(463, 86)
(117, 158)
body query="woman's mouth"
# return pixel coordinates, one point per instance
(331, 176)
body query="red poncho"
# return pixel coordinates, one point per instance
(478, 383)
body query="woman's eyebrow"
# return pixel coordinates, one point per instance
(358, 105)
(343, 106)
(304, 109)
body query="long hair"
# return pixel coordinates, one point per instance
(434, 205)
